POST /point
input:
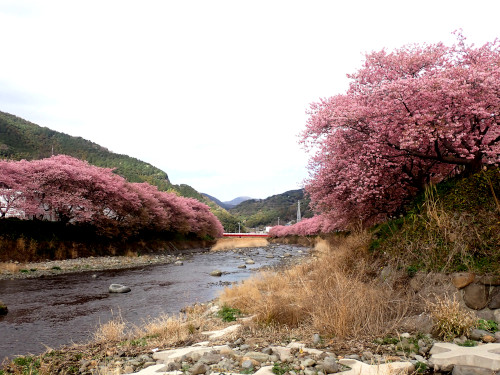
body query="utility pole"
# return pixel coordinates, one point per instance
(239, 227)
(278, 220)
(299, 217)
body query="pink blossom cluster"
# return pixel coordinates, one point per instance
(409, 118)
(62, 188)
(306, 227)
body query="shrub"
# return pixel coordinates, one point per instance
(449, 319)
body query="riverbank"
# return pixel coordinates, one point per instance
(306, 319)
(17, 270)
(172, 252)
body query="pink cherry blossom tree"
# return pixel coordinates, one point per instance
(410, 117)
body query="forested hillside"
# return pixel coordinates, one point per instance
(263, 212)
(21, 139)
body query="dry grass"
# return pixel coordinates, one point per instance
(450, 320)
(235, 243)
(112, 331)
(7, 267)
(333, 294)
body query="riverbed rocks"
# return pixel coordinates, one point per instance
(217, 273)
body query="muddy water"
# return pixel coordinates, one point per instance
(59, 310)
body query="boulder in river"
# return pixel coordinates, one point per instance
(216, 273)
(3, 308)
(118, 288)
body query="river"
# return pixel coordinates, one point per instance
(63, 309)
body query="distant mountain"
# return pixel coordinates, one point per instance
(21, 139)
(265, 212)
(236, 201)
(228, 204)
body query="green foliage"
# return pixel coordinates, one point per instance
(420, 367)
(228, 314)
(264, 212)
(28, 364)
(281, 368)
(388, 340)
(468, 343)
(488, 325)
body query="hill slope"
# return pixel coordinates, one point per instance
(21, 139)
(264, 212)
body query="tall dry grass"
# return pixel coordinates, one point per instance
(7, 267)
(236, 243)
(335, 293)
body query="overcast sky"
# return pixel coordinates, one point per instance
(212, 92)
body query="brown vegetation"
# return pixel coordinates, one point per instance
(237, 243)
(335, 293)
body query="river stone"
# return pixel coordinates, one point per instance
(216, 273)
(242, 266)
(259, 357)
(119, 288)
(478, 334)
(476, 296)
(247, 364)
(495, 299)
(249, 261)
(199, 368)
(489, 280)
(462, 279)
(329, 365)
(178, 263)
(308, 362)
(3, 308)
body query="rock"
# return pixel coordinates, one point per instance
(119, 288)
(495, 299)
(469, 370)
(128, 370)
(178, 263)
(259, 357)
(475, 296)
(329, 365)
(489, 280)
(249, 261)
(462, 279)
(489, 338)
(216, 273)
(199, 368)
(478, 334)
(210, 358)
(3, 308)
(316, 339)
(268, 351)
(247, 364)
(308, 362)
(496, 314)
(242, 266)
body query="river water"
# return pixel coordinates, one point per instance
(64, 309)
